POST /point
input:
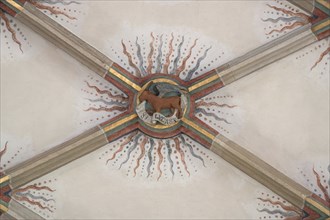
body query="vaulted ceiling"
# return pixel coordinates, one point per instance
(81, 139)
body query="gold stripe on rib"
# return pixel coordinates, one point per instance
(17, 6)
(320, 26)
(3, 208)
(324, 3)
(318, 206)
(204, 82)
(4, 179)
(120, 122)
(124, 79)
(196, 127)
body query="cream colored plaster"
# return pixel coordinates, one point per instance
(286, 120)
(38, 99)
(87, 189)
(216, 19)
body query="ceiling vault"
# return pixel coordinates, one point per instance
(190, 125)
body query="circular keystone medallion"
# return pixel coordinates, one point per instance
(161, 103)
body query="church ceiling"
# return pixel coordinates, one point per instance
(172, 96)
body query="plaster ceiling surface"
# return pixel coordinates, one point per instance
(211, 23)
(280, 112)
(90, 189)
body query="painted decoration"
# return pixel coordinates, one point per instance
(281, 17)
(156, 159)
(173, 54)
(38, 196)
(15, 36)
(159, 150)
(274, 207)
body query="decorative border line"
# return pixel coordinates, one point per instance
(4, 186)
(124, 79)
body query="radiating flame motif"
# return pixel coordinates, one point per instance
(10, 29)
(286, 18)
(40, 5)
(102, 101)
(36, 195)
(167, 54)
(44, 5)
(322, 55)
(155, 158)
(5, 163)
(2, 152)
(211, 110)
(281, 209)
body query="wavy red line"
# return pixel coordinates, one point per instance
(3, 151)
(35, 188)
(321, 57)
(177, 147)
(290, 27)
(99, 91)
(143, 151)
(114, 108)
(322, 188)
(130, 59)
(149, 68)
(285, 207)
(183, 65)
(12, 31)
(288, 12)
(168, 55)
(50, 9)
(24, 199)
(208, 104)
(126, 141)
(161, 157)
